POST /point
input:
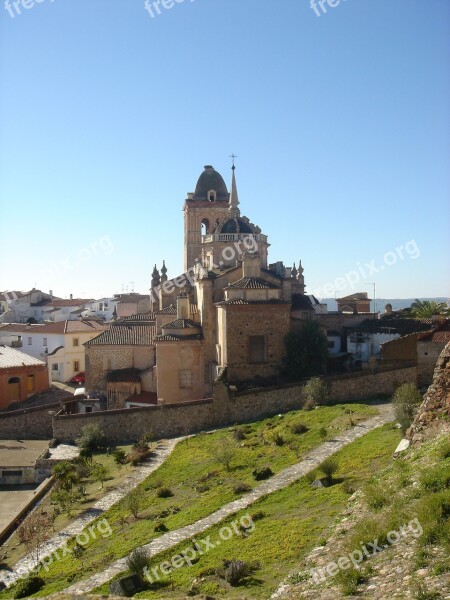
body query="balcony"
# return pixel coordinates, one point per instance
(233, 237)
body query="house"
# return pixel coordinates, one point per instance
(25, 306)
(131, 304)
(104, 309)
(21, 376)
(60, 345)
(419, 347)
(58, 309)
(357, 303)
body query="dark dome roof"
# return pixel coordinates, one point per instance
(209, 180)
(236, 226)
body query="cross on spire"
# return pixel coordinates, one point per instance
(233, 156)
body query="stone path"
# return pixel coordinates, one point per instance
(139, 473)
(283, 479)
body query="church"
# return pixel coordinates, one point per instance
(225, 317)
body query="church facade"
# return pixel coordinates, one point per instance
(226, 316)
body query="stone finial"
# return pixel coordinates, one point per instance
(294, 272)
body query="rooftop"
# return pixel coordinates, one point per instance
(10, 358)
(15, 453)
(125, 335)
(253, 283)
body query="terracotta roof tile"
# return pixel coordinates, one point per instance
(125, 335)
(182, 324)
(254, 283)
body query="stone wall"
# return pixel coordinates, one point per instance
(29, 424)
(434, 413)
(225, 408)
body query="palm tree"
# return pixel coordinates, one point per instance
(428, 308)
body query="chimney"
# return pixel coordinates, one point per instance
(183, 305)
(51, 294)
(71, 296)
(251, 265)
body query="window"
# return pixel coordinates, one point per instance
(88, 409)
(30, 341)
(11, 473)
(211, 196)
(44, 341)
(31, 383)
(76, 365)
(75, 341)
(185, 378)
(54, 366)
(257, 349)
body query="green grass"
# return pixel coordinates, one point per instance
(200, 486)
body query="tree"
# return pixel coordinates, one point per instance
(133, 501)
(306, 352)
(99, 472)
(406, 401)
(315, 391)
(427, 308)
(92, 437)
(65, 474)
(35, 531)
(224, 451)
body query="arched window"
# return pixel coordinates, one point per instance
(212, 196)
(205, 226)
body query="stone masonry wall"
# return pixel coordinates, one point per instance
(226, 408)
(29, 424)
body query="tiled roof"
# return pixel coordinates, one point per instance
(401, 326)
(72, 302)
(439, 335)
(253, 283)
(84, 326)
(182, 324)
(301, 302)
(4, 296)
(178, 338)
(172, 310)
(124, 376)
(239, 301)
(125, 335)
(148, 317)
(129, 298)
(10, 357)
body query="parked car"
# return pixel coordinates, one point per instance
(79, 378)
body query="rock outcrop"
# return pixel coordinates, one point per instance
(434, 412)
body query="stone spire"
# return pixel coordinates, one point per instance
(234, 198)
(163, 272)
(155, 278)
(294, 272)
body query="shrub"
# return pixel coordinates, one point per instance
(406, 400)
(323, 433)
(239, 434)
(92, 437)
(299, 428)
(161, 528)
(137, 561)
(348, 488)
(257, 516)
(143, 442)
(235, 571)
(349, 580)
(278, 439)
(329, 467)
(27, 587)
(164, 492)
(376, 496)
(262, 473)
(120, 457)
(133, 501)
(137, 455)
(444, 449)
(316, 391)
(224, 451)
(311, 476)
(242, 488)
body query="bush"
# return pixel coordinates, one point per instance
(376, 496)
(164, 492)
(329, 467)
(120, 457)
(27, 587)
(133, 501)
(239, 434)
(137, 455)
(242, 488)
(406, 401)
(161, 528)
(235, 571)
(323, 433)
(299, 428)
(143, 442)
(137, 561)
(278, 439)
(92, 437)
(444, 450)
(349, 580)
(311, 476)
(223, 451)
(257, 516)
(348, 488)
(437, 478)
(316, 391)
(262, 473)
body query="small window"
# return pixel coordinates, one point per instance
(76, 365)
(44, 341)
(30, 341)
(185, 378)
(426, 353)
(212, 196)
(88, 409)
(257, 349)
(75, 341)
(12, 473)
(54, 366)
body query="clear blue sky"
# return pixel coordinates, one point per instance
(341, 124)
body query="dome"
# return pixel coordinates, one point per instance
(211, 181)
(236, 225)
